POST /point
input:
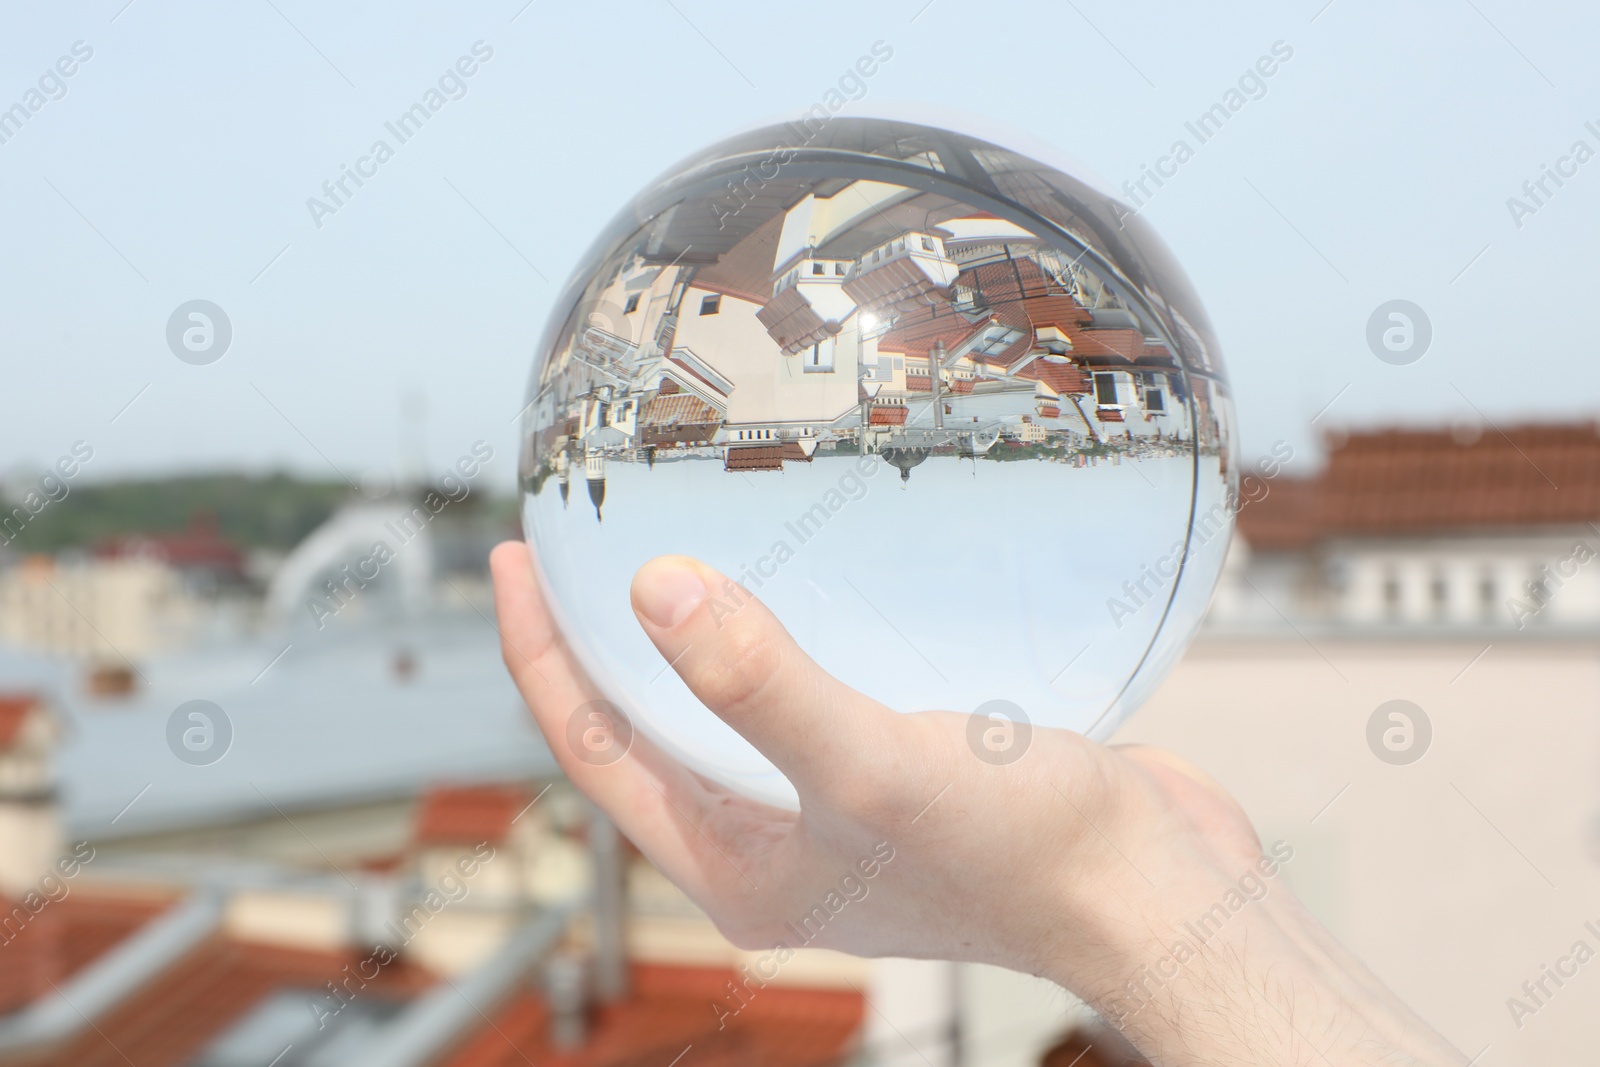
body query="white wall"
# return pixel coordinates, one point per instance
(1435, 873)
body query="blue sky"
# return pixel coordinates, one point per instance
(178, 166)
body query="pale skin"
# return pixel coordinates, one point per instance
(1078, 862)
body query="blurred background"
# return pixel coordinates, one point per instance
(268, 800)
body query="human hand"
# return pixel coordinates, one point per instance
(1079, 862)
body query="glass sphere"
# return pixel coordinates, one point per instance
(955, 415)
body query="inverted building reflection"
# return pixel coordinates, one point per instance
(866, 318)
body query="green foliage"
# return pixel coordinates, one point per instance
(255, 511)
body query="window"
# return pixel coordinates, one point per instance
(819, 268)
(1391, 595)
(1105, 388)
(819, 357)
(711, 304)
(1488, 593)
(632, 305)
(1154, 400)
(838, 269)
(1439, 589)
(927, 244)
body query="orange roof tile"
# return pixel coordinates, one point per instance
(1062, 377)
(675, 409)
(14, 709)
(62, 938)
(754, 458)
(887, 415)
(468, 815)
(670, 1018)
(208, 991)
(1402, 482)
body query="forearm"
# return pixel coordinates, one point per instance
(1268, 986)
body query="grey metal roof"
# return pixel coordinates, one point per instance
(330, 721)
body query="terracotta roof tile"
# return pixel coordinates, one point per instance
(670, 1011)
(14, 710)
(200, 997)
(1062, 377)
(676, 409)
(199, 546)
(754, 458)
(468, 815)
(1401, 482)
(887, 415)
(62, 938)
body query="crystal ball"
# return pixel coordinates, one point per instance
(954, 413)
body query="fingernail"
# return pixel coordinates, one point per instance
(668, 591)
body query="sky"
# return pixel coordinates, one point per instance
(1375, 165)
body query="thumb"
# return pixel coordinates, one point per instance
(738, 659)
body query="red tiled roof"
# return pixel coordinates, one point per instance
(793, 322)
(14, 709)
(918, 331)
(1016, 294)
(62, 938)
(754, 458)
(198, 546)
(676, 409)
(1019, 296)
(174, 1017)
(1109, 415)
(1062, 377)
(468, 815)
(887, 415)
(1127, 343)
(670, 1012)
(1399, 482)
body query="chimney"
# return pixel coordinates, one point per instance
(610, 910)
(30, 831)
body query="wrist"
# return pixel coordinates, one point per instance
(1161, 921)
(1245, 953)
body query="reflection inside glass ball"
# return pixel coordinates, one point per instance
(952, 413)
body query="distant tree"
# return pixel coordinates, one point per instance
(273, 511)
